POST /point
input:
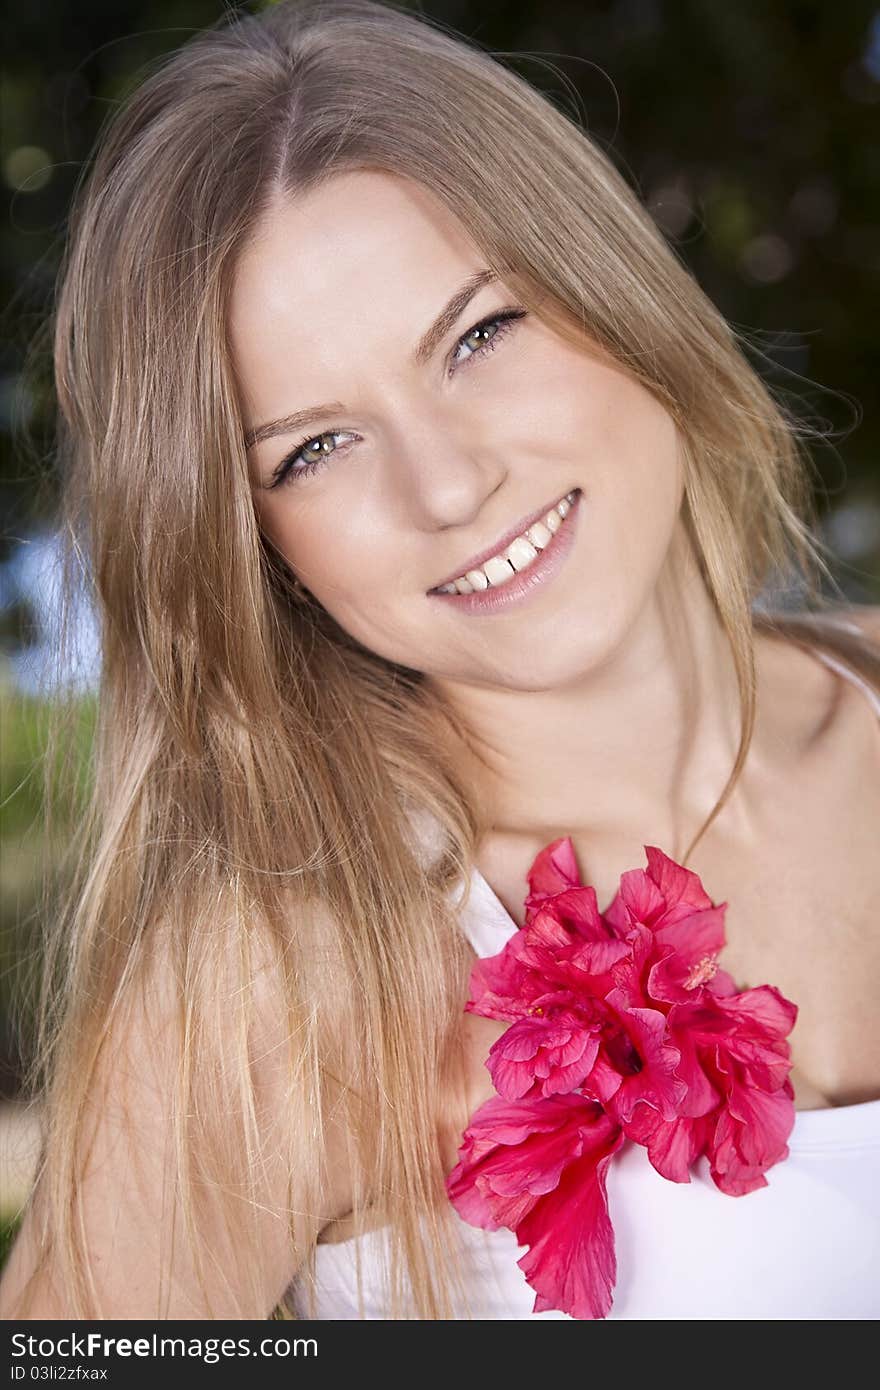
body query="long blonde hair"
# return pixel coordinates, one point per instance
(256, 774)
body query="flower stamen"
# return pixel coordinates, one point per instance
(701, 972)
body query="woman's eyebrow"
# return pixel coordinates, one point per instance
(448, 315)
(425, 348)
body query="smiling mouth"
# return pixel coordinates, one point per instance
(514, 557)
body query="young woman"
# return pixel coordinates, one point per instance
(432, 512)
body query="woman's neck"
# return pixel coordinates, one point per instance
(643, 740)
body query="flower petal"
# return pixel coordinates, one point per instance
(571, 1263)
(750, 1136)
(673, 1145)
(681, 887)
(641, 897)
(554, 870)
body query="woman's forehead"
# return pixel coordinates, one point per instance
(359, 240)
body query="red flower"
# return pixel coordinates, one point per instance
(623, 1026)
(539, 1167)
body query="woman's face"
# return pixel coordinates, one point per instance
(414, 464)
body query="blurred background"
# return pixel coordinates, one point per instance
(752, 132)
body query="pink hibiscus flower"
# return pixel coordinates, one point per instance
(623, 1027)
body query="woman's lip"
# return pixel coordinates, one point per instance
(520, 588)
(476, 561)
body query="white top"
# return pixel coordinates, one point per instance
(807, 1246)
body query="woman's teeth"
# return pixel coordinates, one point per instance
(515, 557)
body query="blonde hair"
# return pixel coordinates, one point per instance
(258, 777)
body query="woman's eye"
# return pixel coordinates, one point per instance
(312, 452)
(488, 333)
